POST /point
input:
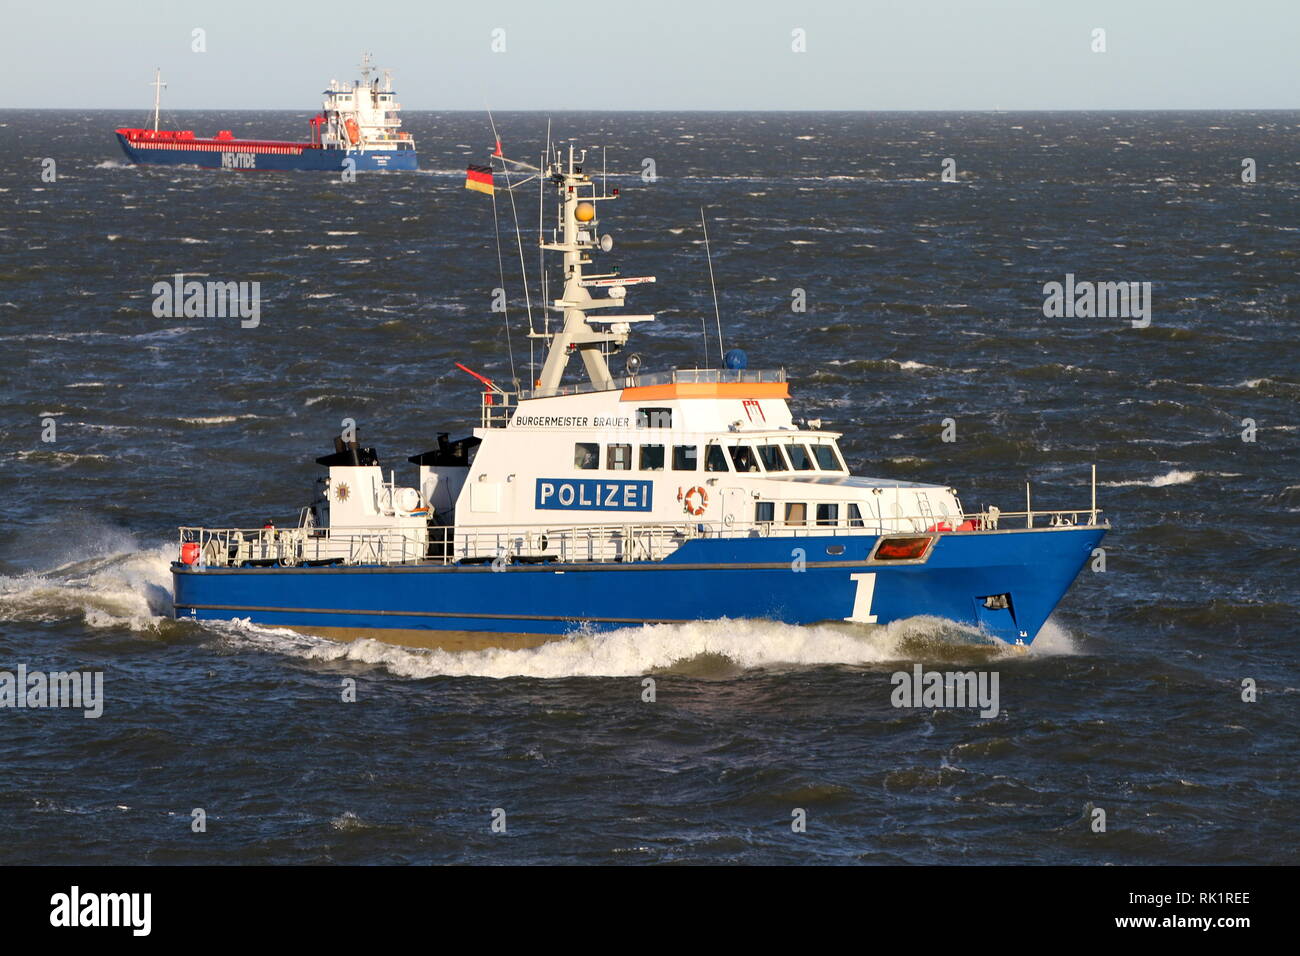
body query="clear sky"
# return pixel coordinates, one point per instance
(661, 54)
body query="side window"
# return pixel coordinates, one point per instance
(586, 455)
(828, 515)
(619, 458)
(765, 512)
(654, 418)
(855, 517)
(772, 457)
(743, 458)
(796, 513)
(799, 457)
(652, 457)
(716, 459)
(826, 457)
(685, 458)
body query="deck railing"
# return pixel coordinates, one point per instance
(290, 547)
(498, 404)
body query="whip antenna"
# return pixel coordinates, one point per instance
(501, 269)
(519, 236)
(717, 314)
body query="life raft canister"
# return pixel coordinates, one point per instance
(967, 525)
(692, 506)
(190, 552)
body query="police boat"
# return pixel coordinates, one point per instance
(621, 500)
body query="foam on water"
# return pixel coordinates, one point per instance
(664, 648)
(216, 419)
(1174, 477)
(115, 588)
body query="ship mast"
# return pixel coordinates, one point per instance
(576, 238)
(157, 85)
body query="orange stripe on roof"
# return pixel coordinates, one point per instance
(645, 393)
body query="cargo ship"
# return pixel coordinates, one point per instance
(625, 497)
(357, 129)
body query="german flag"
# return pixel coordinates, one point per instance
(479, 178)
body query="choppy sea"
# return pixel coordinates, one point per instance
(924, 301)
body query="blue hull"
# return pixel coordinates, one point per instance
(320, 160)
(704, 579)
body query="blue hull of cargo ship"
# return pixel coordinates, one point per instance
(310, 158)
(796, 580)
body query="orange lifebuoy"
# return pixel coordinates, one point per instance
(691, 506)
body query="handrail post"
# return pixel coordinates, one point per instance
(1093, 521)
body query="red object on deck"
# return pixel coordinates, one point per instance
(224, 141)
(190, 552)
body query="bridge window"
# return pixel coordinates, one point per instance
(586, 455)
(685, 458)
(772, 458)
(654, 418)
(716, 459)
(743, 458)
(765, 512)
(796, 513)
(799, 457)
(827, 460)
(652, 457)
(828, 515)
(855, 517)
(619, 458)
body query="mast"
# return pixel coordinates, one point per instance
(576, 239)
(157, 85)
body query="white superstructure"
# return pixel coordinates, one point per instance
(364, 116)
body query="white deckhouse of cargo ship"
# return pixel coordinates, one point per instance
(625, 499)
(364, 116)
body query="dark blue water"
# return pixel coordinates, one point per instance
(924, 303)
